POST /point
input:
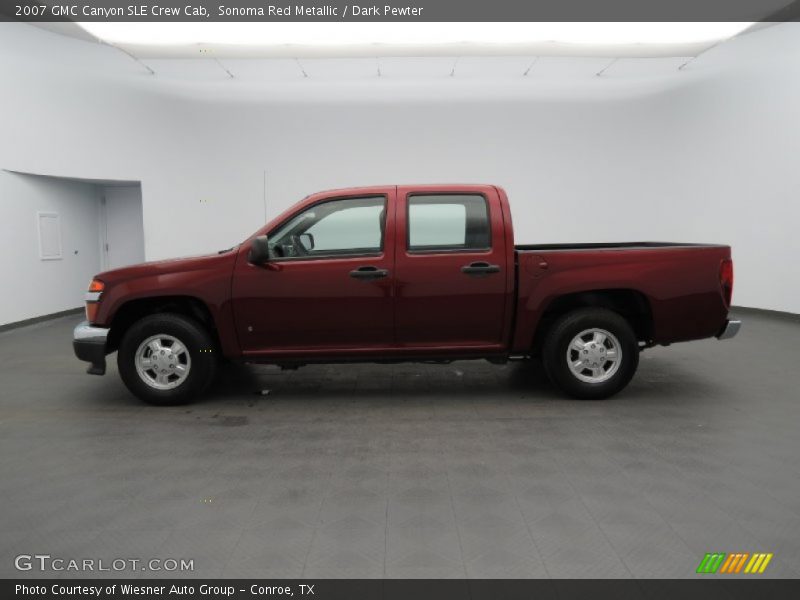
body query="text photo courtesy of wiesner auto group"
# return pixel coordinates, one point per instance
(432, 299)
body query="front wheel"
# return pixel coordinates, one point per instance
(591, 353)
(166, 359)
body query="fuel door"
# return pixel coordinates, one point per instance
(537, 266)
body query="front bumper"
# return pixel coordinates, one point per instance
(89, 344)
(730, 330)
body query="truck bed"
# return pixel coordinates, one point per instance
(608, 246)
(678, 282)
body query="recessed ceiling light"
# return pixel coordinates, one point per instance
(414, 35)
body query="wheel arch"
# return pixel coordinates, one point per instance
(629, 303)
(133, 310)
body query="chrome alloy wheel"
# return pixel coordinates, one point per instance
(163, 362)
(594, 355)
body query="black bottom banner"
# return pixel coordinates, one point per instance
(401, 589)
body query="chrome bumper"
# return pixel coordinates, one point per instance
(730, 330)
(84, 331)
(89, 344)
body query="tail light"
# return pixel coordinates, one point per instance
(726, 280)
(93, 295)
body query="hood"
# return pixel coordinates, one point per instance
(162, 267)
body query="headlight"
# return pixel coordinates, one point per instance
(93, 295)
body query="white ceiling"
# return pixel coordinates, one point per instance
(87, 53)
(276, 70)
(350, 39)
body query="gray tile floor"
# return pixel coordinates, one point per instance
(464, 470)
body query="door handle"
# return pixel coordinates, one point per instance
(369, 272)
(480, 268)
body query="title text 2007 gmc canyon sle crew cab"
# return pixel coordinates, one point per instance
(404, 273)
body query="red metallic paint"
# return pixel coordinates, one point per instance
(291, 306)
(426, 308)
(681, 285)
(436, 304)
(204, 278)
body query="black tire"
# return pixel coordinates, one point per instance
(199, 348)
(565, 330)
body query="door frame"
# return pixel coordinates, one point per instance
(103, 230)
(388, 254)
(499, 244)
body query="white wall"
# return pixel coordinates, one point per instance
(33, 287)
(706, 154)
(737, 151)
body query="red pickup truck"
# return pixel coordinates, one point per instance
(404, 273)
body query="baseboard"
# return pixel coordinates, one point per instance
(776, 314)
(34, 320)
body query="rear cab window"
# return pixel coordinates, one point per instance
(448, 223)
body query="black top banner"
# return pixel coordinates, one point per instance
(400, 10)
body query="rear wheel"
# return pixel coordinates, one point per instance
(591, 353)
(166, 359)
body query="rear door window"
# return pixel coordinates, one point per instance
(448, 222)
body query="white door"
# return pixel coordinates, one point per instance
(121, 226)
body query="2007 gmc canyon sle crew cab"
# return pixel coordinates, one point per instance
(404, 273)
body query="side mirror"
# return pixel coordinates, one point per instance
(307, 239)
(259, 251)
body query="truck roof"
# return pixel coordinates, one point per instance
(419, 186)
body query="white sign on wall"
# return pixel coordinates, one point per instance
(49, 224)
